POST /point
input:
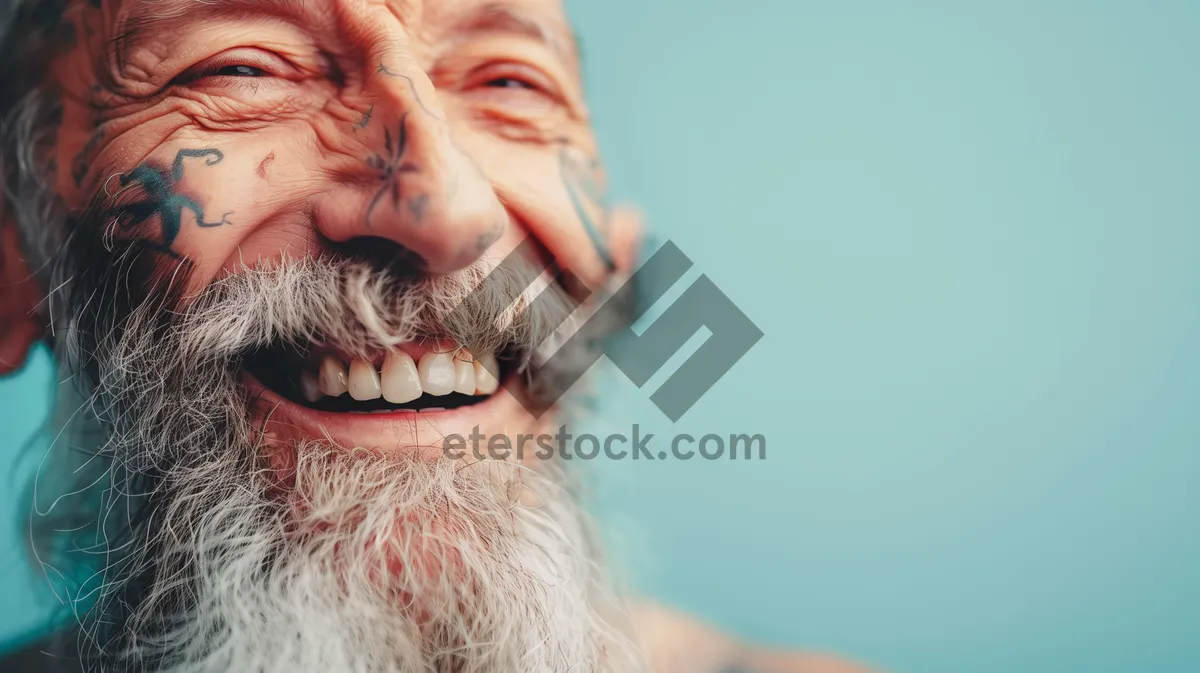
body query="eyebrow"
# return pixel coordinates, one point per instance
(502, 18)
(147, 13)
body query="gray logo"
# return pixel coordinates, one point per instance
(608, 331)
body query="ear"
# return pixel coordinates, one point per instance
(20, 325)
(625, 237)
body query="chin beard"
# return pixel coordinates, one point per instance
(183, 545)
(375, 563)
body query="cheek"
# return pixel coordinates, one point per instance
(529, 180)
(232, 210)
(216, 198)
(200, 200)
(219, 201)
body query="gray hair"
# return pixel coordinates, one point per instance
(32, 34)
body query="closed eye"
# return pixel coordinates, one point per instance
(233, 70)
(510, 83)
(513, 77)
(243, 63)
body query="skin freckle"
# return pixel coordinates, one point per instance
(265, 164)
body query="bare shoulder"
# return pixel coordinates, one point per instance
(678, 643)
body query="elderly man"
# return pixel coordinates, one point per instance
(282, 249)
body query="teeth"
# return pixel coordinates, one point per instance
(485, 382)
(402, 379)
(464, 377)
(364, 382)
(332, 377)
(437, 373)
(401, 382)
(310, 387)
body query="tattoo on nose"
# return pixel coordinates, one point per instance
(366, 118)
(160, 196)
(383, 70)
(391, 167)
(416, 206)
(584, 185)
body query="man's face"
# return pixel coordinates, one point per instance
(238, 133)
(271, 274)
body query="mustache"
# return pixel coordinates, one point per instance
(359, 298)
(124, 300)
(360, 308)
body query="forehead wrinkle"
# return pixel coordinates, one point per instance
(495, 17)
(169, 9)
(146, 14)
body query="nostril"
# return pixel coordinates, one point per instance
(382, 253)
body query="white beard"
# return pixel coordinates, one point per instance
(392, 564)
(359, 562)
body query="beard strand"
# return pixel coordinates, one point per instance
(374, 563)
(193, 552)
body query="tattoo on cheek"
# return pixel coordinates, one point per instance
(582, 180)
(83, 161)
(160, 195)
(487, 238)
(98, 101)
(65, 36)
(54, 117)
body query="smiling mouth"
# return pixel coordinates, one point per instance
(408, 378)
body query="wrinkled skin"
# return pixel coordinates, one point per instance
(440, 132)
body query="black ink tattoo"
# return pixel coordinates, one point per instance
(65, 36)
(584, 185)
(83, 161)
(54, 119)
(391, 167)
(161, 197)
(487, 238)
(417, 205)
(366, 118)
(383, 70)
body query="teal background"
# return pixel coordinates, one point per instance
(970, 234)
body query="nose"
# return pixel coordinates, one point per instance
(419, 189)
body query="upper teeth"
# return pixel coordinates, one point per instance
(402, 380)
